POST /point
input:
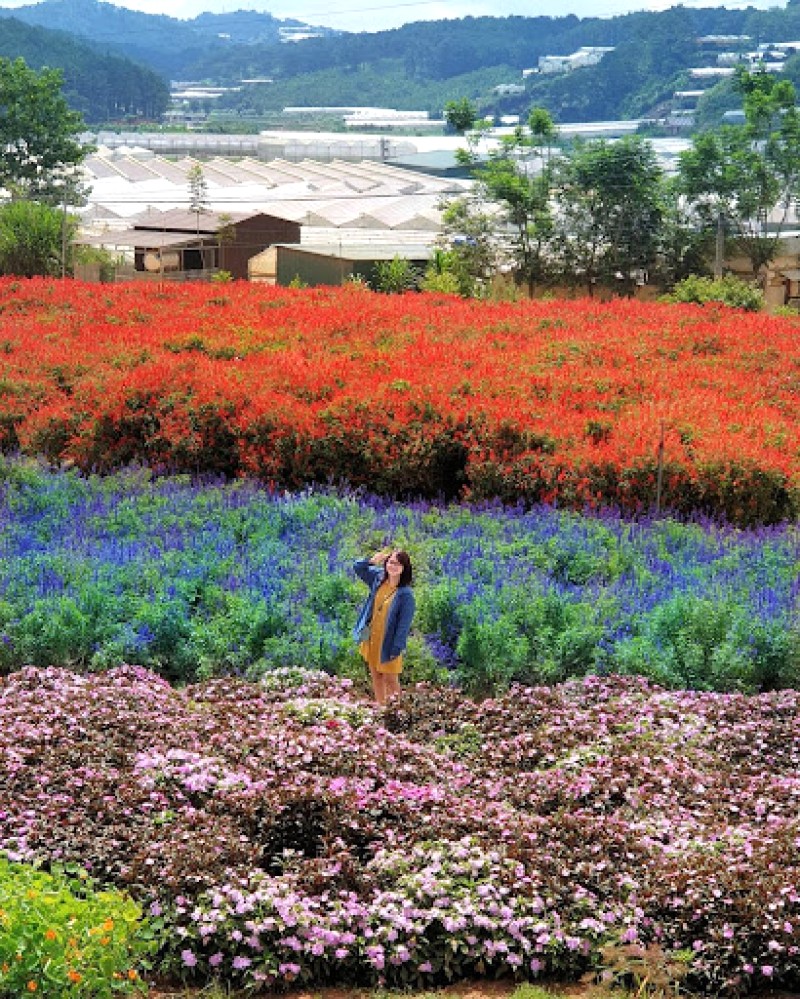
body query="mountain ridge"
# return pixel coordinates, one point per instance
(423, 64)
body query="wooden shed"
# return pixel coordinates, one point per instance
(182, 245)
(228, 240)
(332, 264)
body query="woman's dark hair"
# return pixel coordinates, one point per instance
(405, 560)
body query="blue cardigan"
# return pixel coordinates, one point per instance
(401, 612)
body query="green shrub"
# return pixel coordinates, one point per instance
(710, 644)
(395, 276)
(442, 283)
(729, 290)
(420, 665)
(493, 652)
(60, 937)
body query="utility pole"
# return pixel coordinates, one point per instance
(64, 234)
(719, 252)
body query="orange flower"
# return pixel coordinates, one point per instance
(108, 925)
(73, 976)
(105, 941)
(50, 935)
(133, 974)
(32, 986)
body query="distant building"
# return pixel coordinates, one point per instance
(185, 245)
(587, 55)
(508, 89)
(711, 72)
(299, 33)
(327, 264)
(726, 40)
(388, 118)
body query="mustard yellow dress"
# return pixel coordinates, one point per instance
(371, 648)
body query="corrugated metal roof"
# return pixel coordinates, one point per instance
(180, 219)
(139, 239)
(362, 251)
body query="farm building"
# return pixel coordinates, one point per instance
(182, 245)
(321, 204)
(325, 264)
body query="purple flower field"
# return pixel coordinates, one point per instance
(288, 832)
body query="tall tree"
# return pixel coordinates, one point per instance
(467, 244)
(40, 144)
(518, 176)
(460, 115)
(198, 191)
(749, 175)
(610, 212)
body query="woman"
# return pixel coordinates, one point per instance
(385, 619)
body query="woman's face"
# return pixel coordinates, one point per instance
(394, 567)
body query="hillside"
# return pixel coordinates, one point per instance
(167, 44)
(424, 64)
(101, 86)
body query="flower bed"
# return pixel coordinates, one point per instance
(196, 579)
(410, 395)
(275, 841)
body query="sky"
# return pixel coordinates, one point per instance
(374, 15)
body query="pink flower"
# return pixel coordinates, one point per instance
(188, 958)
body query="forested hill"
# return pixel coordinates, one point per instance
(418, 66)
(424, 64)
(169, 45)
(102, 87)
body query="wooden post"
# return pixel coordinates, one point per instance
(660, 471)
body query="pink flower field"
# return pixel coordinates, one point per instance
(288, 832)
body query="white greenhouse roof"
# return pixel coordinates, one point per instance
(358, 195)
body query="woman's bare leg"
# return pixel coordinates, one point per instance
(377, 686)
(391, 685)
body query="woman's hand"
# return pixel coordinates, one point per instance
(380, 557)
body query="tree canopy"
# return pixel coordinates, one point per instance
(40, 141)
(748, 175)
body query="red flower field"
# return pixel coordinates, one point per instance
(415, 394)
